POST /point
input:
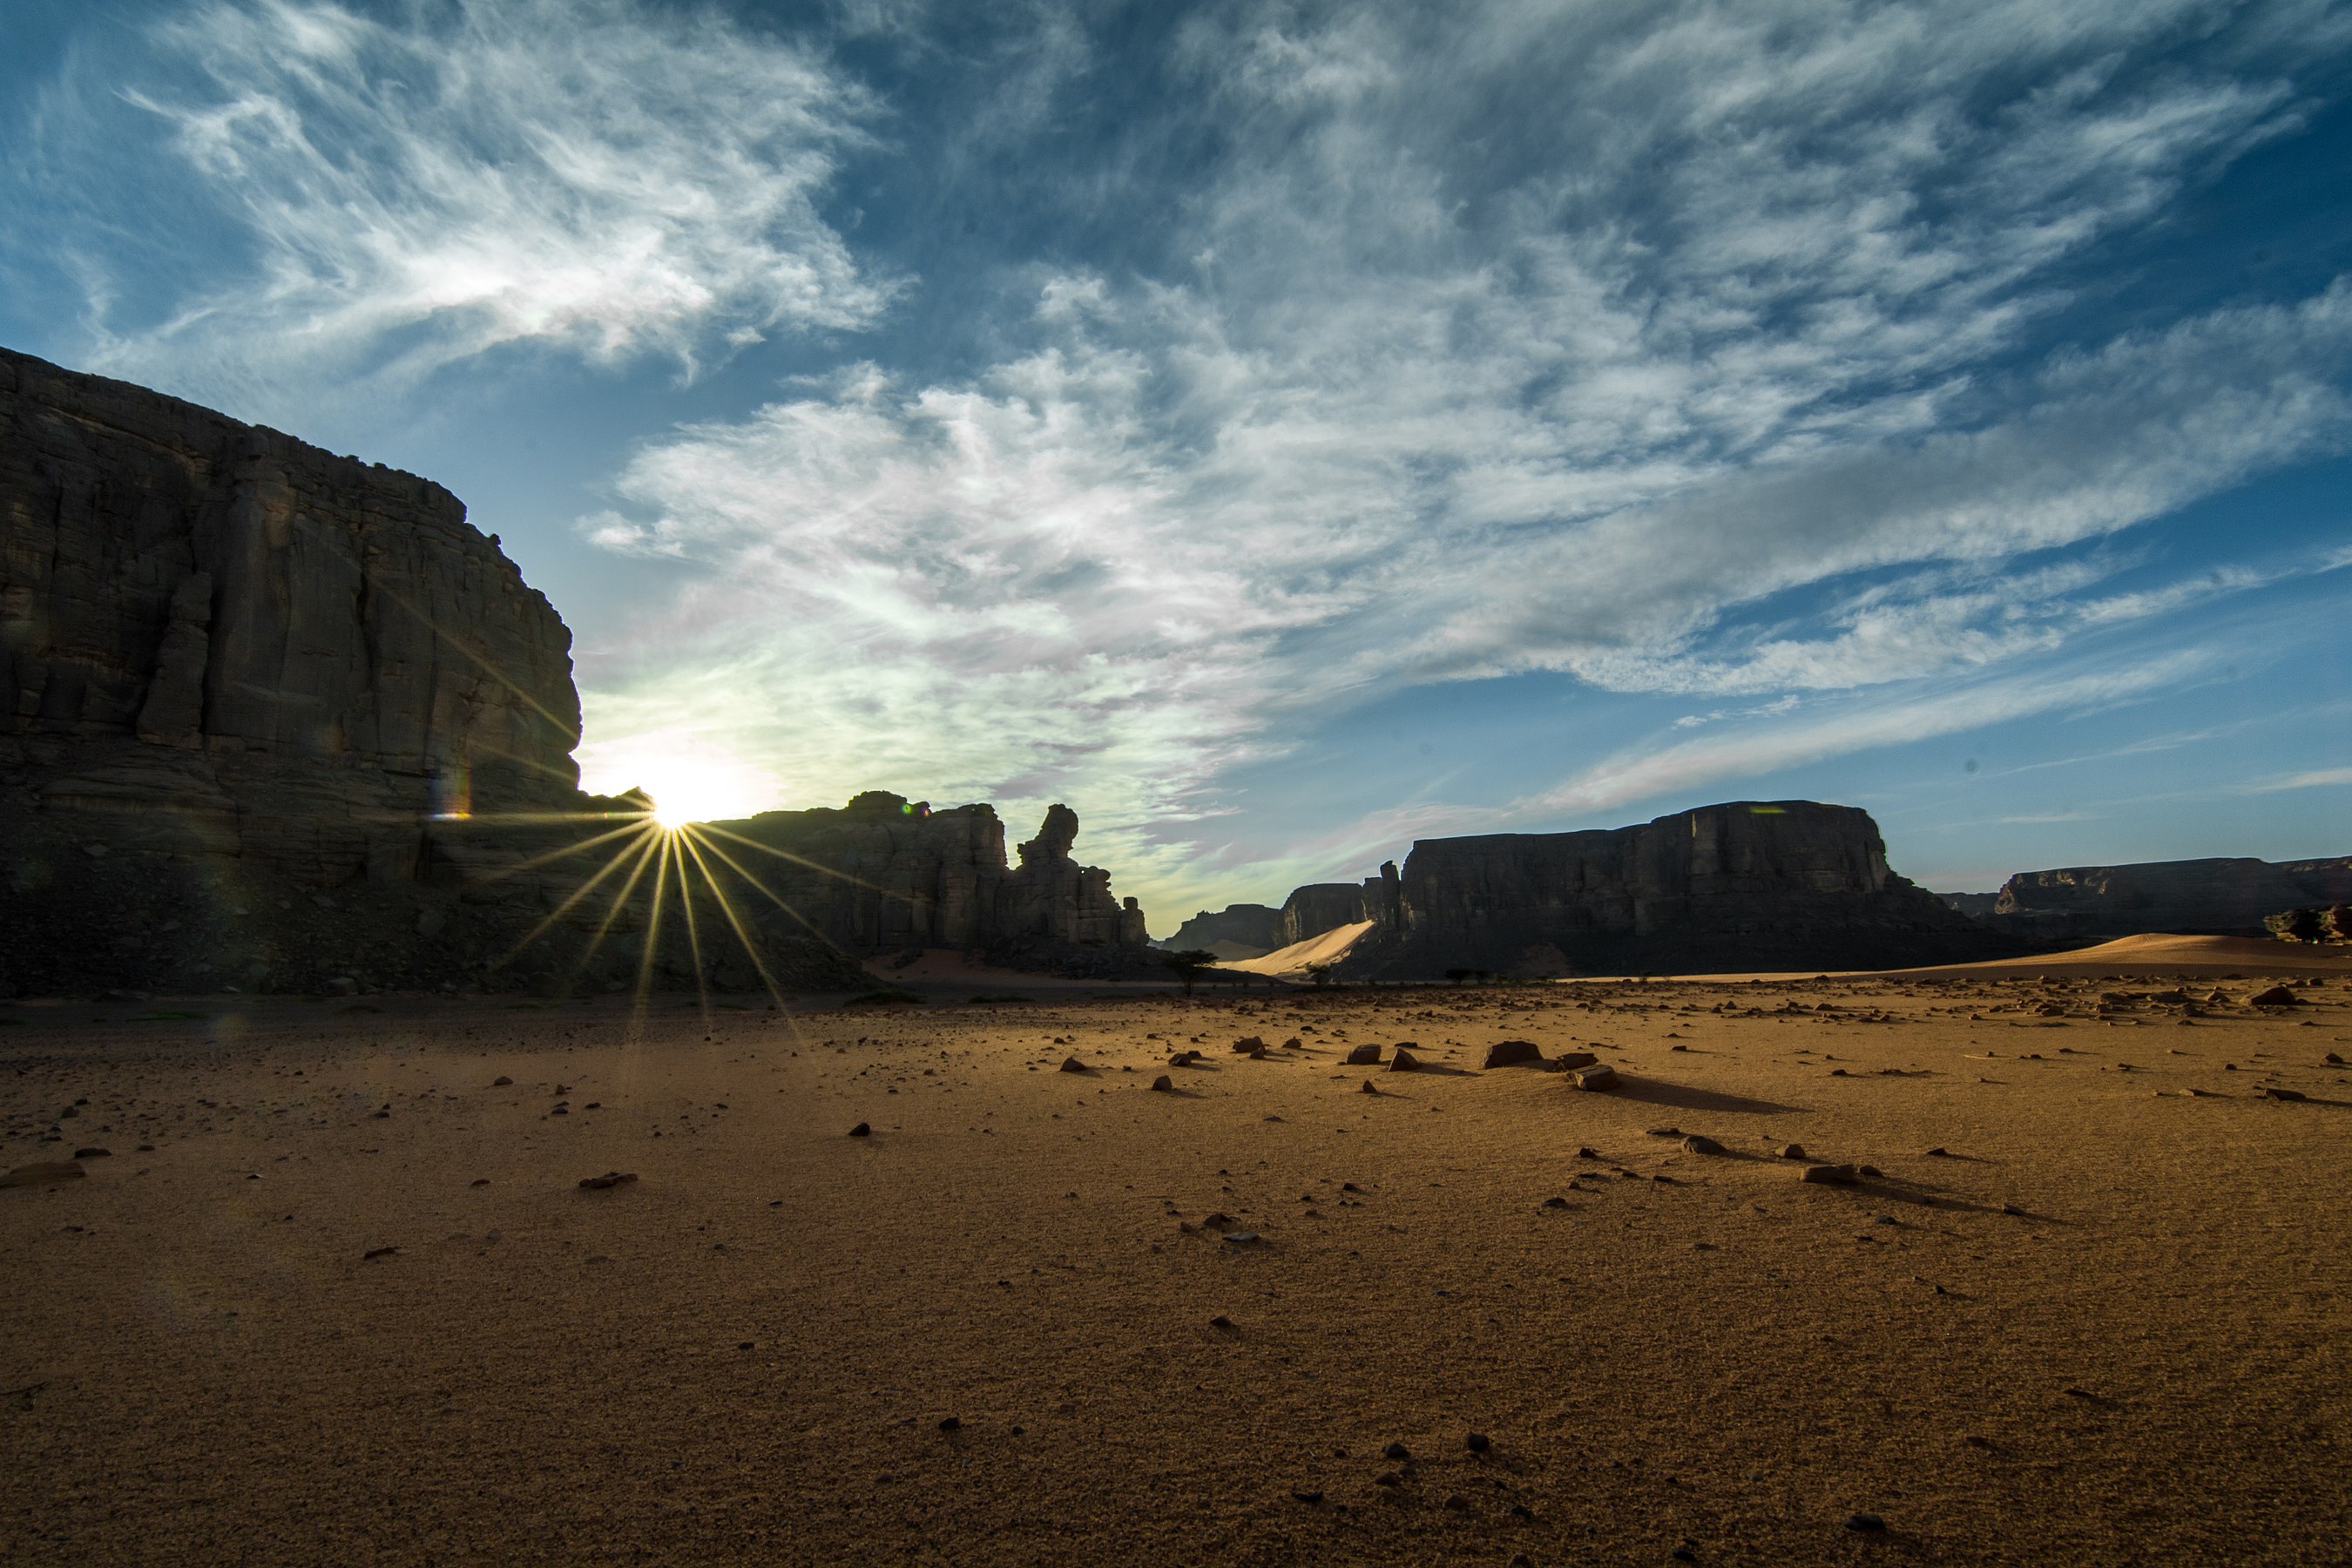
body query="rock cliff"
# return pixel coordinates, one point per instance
(2226, 897)
(274, 717)
(884, 873)
(1746, 884)
(1248, 931)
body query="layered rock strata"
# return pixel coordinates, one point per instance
(1744, 885)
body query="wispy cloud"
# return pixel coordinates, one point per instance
(2315, 778)
(587, 176)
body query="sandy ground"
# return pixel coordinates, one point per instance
(1296, 961)
(750, 1351)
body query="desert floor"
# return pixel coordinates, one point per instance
(2094, 1309)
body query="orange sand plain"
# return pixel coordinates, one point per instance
(749, 1353)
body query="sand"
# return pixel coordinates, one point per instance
(1299, 961)
(752, 1351)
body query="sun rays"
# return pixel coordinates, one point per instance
(687, 890)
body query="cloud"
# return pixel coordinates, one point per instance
(2316, 778)
(589, 176)
(1591, 340)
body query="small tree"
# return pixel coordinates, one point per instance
(1189, 966)
(1320, 974)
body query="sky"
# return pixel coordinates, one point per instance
(1285, 431)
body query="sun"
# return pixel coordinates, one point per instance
(686, 782)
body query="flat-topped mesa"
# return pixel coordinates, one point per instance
(218, 638)
(1742, 886)
(2220, 897)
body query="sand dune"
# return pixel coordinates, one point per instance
(338, 1295)
(1294, 962)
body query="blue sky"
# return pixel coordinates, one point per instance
(1283, 431)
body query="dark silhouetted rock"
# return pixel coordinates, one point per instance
(1513, 1053)
(1367, 1056)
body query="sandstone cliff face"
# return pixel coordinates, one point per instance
(1746, 884)
(270, 717)
(884, 873)
(1256, 928)
(2224, 897)
(214, 639)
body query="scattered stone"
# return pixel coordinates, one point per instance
(1699, 1144)
(1220, 1322)
(952, 1424)
(1242, 1237)
(1842, 1175)
(2275, 996)
(2335, 1061)
(1939, 1153)
(1864, 1521)
(1309, 1498)
(501, 1082)
(1569, 1061)
(1370, 1087)
(1665, 1131)
(609, 1179)
(1364, 1057)
(42, 1173)
(1585, 1151)
(1596, 1080)
(1512, 1053)
(1164, 1084)
(2271, 1091)
(1388, 1479)
(375, 1252)
(1478, 1442)
(861, 1130)
(1790, 1151)
(1458, 1503)
(1183, 1058)
(1554, 1203)
(1072, 1064)
(1403, 1061)
(2012, 1210)
(1249, 1043)
(98, 1153)
(1396, 1451)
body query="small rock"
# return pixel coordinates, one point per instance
(1370, 1087)
(1220, 1322)
(2272, 1090)
(1403, 1061)
(861, 1130)
(1388, 1479)
(1242, 1237)
(2012, 1210)
(1396, 1451)
(1364, 1057)
(1306, 1497)
(1554, 1203)
(1596, 1080)
(1072, 1064)
(1512, 1053)
(1585, 1151)
(2275, 996)
(1939, 1153)
(609, 1179)
(1864, 1521)
(375, 1252)
(1164, 1084)
(1843, 1175)
(1249, 1043)
(1569, 1061)
(96, 1154)
(1479, 1442)
(952, 1424)
(501, 1082)
(1699, 1144)
(42, 1173)
(1790, 1151)
(1458, 1503)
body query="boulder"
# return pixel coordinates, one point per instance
(1513, 1053)
(1596, 1078)
(1366, 1056)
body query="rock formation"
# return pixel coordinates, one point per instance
(1237, 931)
(2231, 897)
(1748, 885)
(275, 718)
(884, 873)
